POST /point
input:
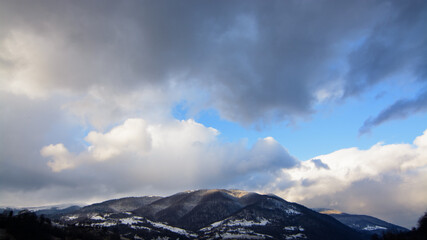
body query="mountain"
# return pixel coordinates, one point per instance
(119, 205)
(53, 211)
(362, 223)
(210, 214)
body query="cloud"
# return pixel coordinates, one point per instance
(176, 154)
(62, 158)
(268, 153)
(87, 89)
(319, 164)
(398, 110)
(394, 46)
(256, 64)
(131, 136)
(377, 181)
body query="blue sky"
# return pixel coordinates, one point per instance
(333, 126)
(106, 99)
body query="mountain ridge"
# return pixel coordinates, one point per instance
(210, 214)
(362, 223)
(213, 214)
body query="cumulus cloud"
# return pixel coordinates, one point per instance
(176, 154)
(268, 154)
(61, 157)
(131, 136)
(371, 181)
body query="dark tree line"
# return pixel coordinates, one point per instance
(26, 225)
(419, 233)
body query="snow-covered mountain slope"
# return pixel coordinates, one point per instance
(362, 223)
(211, 214)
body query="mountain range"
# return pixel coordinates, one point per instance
(362, 223)
(218, 214)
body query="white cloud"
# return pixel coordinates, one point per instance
(359, 180)
(131, 136)
(61, 158)
(268, 154)
(174, 154)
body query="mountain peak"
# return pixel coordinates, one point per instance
(331, 211)
(362, 223)
(233, 192)
(212, 214)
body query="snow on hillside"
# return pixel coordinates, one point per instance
(373, 228)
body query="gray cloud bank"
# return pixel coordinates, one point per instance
(255, 62)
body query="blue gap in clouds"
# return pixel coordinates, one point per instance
(180, 110)
(229, 131)
(333, 126)
(403, 130)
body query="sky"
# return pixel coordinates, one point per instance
(323, 103)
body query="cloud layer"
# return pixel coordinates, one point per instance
(174, 155)
(255, 63)
(387, 181)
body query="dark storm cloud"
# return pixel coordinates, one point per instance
(398, 43)
(257, 61)
(398, 110)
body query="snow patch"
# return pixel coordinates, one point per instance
(97, 217)
(213, 225)
(170, 228)
(373, 228)
(140, 227)
(129, 221)
(104, 224)
(237, 222)
(291, 211)
(238, 236)
(296, 236)
(294, 228)
(216, 224)
(290, 228)
(72, 217)
(246, 223)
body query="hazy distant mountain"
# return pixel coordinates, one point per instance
(211, 214)
(362, 223)
(53, 211)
